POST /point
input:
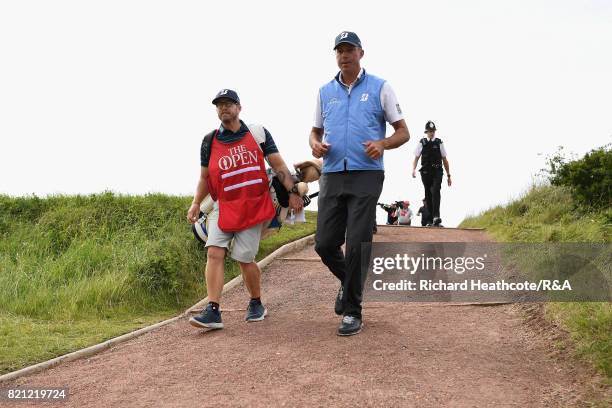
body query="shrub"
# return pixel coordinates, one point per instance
(590, 177)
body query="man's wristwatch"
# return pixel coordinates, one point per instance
(294, 190)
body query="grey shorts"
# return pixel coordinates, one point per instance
(245, 243)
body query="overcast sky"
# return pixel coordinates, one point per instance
(115, 95)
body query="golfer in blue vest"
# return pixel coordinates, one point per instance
(349, 134)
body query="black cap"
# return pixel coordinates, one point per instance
(228, 94)
(430, 126)
(348, 37)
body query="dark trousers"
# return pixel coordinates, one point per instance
(425, 215)
(432, 181)
(346, 213)
(425, 219)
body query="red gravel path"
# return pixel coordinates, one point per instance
(408, 355)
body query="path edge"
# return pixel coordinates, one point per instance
(105, 345)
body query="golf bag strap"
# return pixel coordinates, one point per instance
(258, 132)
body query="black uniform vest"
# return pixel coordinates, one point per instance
(431, 157)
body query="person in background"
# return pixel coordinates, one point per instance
(404, 215)
(425, 214)
(432, 153)
(391, 211)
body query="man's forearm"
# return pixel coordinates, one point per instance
(316, 135)
(446, 165)
(398, 138)
(282, 172)
(414, 163)
(202, 188)
(284, 176)
(201, 191)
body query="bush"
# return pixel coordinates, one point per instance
(590, 177)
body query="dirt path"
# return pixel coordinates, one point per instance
(409, 354)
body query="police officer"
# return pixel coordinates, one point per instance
(433, 155)
(349, 134)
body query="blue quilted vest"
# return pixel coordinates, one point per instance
(349, 120)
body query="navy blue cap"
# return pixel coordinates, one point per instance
(348, 37)
(228, 94)
(430, 126)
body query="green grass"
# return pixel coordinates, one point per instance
(25, 340)
(545, 214)
(550, 214)
(77, 270)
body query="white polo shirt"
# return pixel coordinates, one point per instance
(419, 149)
(388, 100)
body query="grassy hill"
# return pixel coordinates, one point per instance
(77, 270)
(552, 214)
